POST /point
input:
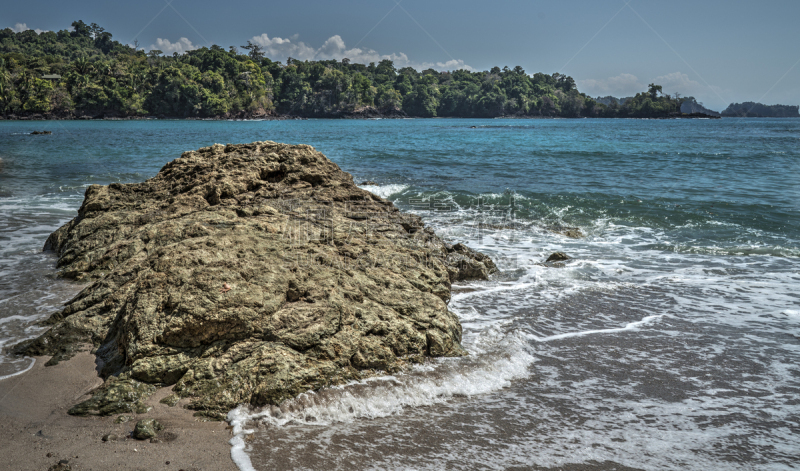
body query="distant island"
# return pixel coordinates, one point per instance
(757, 110)
(691, 105)
(84, 73)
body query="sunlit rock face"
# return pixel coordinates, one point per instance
(249, 274)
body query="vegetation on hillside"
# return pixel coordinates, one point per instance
(102, 77)
(758, 110)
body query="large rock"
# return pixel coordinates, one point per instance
(248, 274)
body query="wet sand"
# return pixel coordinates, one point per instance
(36, 432)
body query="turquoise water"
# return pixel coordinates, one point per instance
(668, 341)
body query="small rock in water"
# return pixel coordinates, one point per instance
(146, 428)
(571, 232)
(369, 182)
(36, 133)
(557, 257)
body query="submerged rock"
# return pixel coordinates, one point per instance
(557, 257)
(249, 274)
(571, 232)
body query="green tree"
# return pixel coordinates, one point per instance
(81, 29)
(255, 51)
(653, 90)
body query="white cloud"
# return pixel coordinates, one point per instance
(180, 46)
(681, 83)
(20, 27)
(622, 85)
(279, 48)
(625, 85)
(335, 48)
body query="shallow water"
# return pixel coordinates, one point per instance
(668, 341)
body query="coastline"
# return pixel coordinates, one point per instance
(540, 418)
(337, 117)
(38, 432)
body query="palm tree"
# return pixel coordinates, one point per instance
(82, 65)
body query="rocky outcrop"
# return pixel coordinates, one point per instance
(248, 274)
(690, 106)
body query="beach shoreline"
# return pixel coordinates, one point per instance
(37, 432)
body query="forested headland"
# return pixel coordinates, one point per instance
(750, 109)
(84, 73)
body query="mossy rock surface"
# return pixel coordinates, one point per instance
(170, 400)
(249, 274)
(147, 428)
(116, 397)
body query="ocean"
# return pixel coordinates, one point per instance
(669, 340)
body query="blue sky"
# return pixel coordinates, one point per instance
(720, 51)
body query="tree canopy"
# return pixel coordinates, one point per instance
(101, 76)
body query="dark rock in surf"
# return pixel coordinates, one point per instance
(463, 264)
(249, 274)
(557, 257)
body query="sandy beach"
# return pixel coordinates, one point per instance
(36, 432)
